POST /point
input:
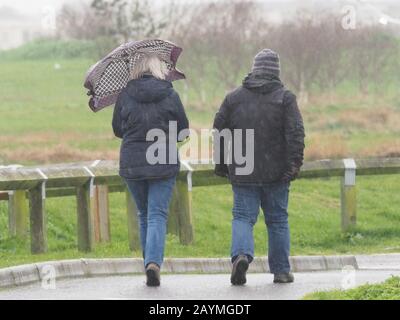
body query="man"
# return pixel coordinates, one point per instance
(264, 105)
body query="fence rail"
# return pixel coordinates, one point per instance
(26, 188)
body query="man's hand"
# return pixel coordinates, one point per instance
(221, 170)
(290, 174)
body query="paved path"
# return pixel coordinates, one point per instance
(197, 287)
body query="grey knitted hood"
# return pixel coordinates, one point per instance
(262, 83)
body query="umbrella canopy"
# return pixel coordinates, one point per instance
(109, 76)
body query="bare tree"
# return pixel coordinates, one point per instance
(110, 22)
(78, 22)
(221, 38)
(370, 55)
(334, 62)
(128, 19)
(299, 43)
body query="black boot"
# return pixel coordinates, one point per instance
(153, 275)
(283, 277)
(239, 268)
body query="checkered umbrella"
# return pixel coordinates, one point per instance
(109, 76)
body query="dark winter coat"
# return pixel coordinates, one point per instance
(262, 103)
(146, 103)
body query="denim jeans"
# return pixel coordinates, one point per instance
(273, 200)
(152, 199)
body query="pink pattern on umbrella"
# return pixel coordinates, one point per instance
(106, 78)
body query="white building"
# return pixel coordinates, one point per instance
(18, 27)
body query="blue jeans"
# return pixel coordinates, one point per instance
(273, 200)
(152, 199)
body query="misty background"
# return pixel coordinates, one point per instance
(21, 20)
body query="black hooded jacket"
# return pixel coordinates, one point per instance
(262, 103)
(147, 103)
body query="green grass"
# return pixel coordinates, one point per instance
(388, 290)
(314, 220)
(38, 97)
(43, 106)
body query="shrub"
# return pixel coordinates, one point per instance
(52, 49)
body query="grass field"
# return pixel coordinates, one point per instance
(388, 290)
(44, 118)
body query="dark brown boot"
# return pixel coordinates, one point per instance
(239, 269)
(153, 275)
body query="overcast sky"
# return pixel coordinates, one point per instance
(33, 7)
(20, 20)
(30, 7)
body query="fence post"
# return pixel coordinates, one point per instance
(133, 224)
(184, 206)
(18, 214)
(100, 212)
(38, 218)
(173, 216)
(348, 195)
(186, 234)
(85, 218)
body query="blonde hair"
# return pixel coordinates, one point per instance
(150, 63)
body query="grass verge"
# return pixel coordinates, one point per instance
(388, 290)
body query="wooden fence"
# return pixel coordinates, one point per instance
(26, 188)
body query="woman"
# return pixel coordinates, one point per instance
(149, 102)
